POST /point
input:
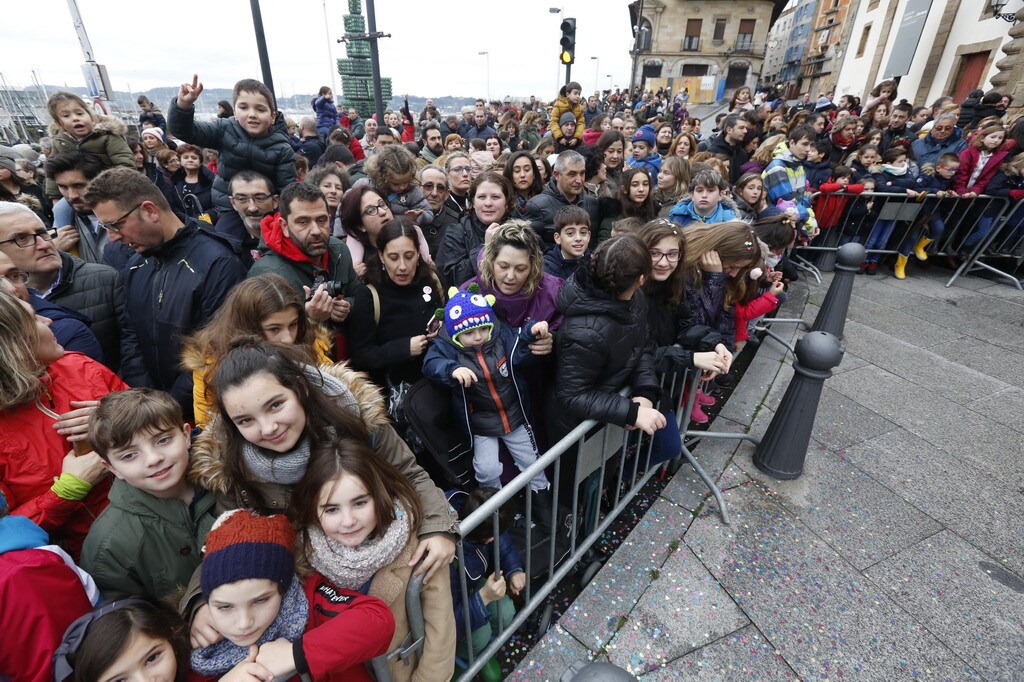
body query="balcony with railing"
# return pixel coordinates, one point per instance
(691, 44)
(744, 42)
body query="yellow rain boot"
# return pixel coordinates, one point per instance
(901, 267)
(919, 248)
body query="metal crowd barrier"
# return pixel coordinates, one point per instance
(596, 447)
(860, 213)
(1003, 245)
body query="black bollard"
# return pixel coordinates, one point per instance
(783, 448)
(832, 316)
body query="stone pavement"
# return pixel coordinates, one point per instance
(899, 554)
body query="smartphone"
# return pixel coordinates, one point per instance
(433, 325)
(82, 447)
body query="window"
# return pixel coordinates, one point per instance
(863, 41)
(694, 70)
(719, 35)
(745, 38)
(644, 39)
(692, 39)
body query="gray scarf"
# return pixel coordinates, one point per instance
(351, 567)
(287, 468)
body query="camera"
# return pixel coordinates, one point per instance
(333, 289)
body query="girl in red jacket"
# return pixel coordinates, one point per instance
(979, 163)
(275, 624)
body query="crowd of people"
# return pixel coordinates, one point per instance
(210, 335)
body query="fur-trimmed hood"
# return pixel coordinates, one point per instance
(207, 467)
(106, 124)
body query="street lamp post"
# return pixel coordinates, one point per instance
(597, 70)
(609, 77)
(558, 68)
(487, 55)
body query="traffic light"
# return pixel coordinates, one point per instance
(568, 54)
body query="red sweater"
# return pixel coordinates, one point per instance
(745, 312)
(828, 209)
(32, 452)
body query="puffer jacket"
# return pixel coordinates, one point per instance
(563, 105)
(271, 156)
(326, 114)
(928, 150)
(495, 405)
(460, 248)
(541, 210)
(171, 291)
(602, 347)
(142, 545)
(96, 291)
(106, 142)
(32, 452)
(208, 469)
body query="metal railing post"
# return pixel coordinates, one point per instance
(832, 316)
(783, 447)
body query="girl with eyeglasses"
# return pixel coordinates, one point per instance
(679, 342)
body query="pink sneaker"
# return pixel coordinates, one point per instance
(697, 416)
(703, 399)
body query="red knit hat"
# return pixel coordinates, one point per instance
(243, 545)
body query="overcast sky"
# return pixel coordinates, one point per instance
(431, 53)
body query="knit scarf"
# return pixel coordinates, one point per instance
(893, 170)
(350, 567)
(287, 468)
(290, 623)
(273, 467)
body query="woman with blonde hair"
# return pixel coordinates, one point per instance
(763, 155)
(265, 306)
(46, 398)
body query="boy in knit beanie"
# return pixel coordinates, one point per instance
(274, 624)
(478, 358)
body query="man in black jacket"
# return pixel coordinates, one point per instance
(178, 277)
(565, 188)
(310, 144)
(730, 143)
(92, 289)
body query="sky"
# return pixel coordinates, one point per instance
(430, 53)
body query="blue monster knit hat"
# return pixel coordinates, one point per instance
(645, 133)
(467, 310)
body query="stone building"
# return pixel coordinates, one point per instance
(826, 45)
(709, 47)
(933, 48)
(775, 54)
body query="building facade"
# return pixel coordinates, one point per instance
(775, 54)
(826, 45)
(709, 47)
(791, 77)
(933, 48)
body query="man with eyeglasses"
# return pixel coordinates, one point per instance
(91, 289)
(943, 138)
(298, 246)
(71, 329)
(460, 177)
(253, 198)
(177, 278)
(434, 183)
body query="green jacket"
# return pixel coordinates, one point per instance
(303, 273)
(144, 546)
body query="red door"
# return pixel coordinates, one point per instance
(969, 74)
